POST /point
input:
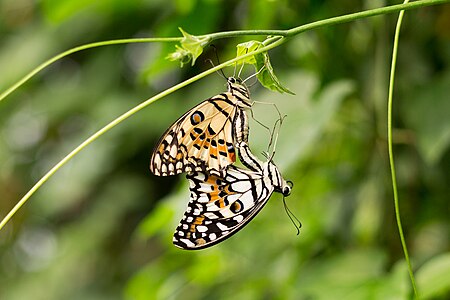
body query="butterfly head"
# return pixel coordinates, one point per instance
(238, 89)
(288, 188)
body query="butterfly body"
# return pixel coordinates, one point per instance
(221, 206)
(204, 138)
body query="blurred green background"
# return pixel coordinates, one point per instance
(101, 227)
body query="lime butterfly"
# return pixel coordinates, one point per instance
(204, 138)
(222, 205)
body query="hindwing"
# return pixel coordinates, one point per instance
(220, 206)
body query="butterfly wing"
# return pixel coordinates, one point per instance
(220, 207)
(202, 139)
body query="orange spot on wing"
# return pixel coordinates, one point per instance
(212, 181)
(232, 156)
(214, 196)
(199, 220)
(213, 152)
(221, 203)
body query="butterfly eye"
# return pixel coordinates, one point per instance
(286, 191)
(232, 80)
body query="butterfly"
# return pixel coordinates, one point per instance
(222, 205)
(204, 138)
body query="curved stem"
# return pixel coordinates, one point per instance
(363, 14)
(391, 152)
(330, 21)
(77, 49)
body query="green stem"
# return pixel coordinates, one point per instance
(363, 14)
(391, 152)
(331, 21)
(77, 49)
(229, 34)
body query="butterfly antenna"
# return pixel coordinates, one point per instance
(221, 74)
(292, 217)
(218, 60)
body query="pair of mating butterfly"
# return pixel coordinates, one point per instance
(203, 142)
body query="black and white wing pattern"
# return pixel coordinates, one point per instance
(221, 206)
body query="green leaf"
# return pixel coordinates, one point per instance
(191, 48)
(263, 67)
(433, 278)
(266, 75)
(248, 47)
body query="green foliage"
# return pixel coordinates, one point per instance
(191, 48)
(433, 277)
(102, 227)
(263, 68)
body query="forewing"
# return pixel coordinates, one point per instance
(202, 139)
(220, 207)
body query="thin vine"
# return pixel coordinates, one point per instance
(391, 152)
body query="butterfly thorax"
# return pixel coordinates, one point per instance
(239, 91)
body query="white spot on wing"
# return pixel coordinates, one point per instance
(222, 227)
(241, 186)
(201, 228)
(173, 151)
(238, 218)
(188, 243)
(210, 216)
